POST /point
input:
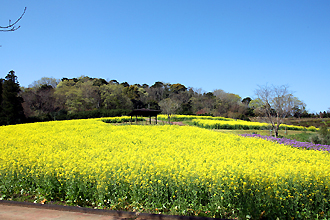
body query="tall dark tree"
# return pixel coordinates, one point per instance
(1, 112)
(246, 101)
(12, 109)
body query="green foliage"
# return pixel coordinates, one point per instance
(323, 136)
(324, 131)
(98, 113)
(11, 105)
(152, 104)
(186, 109)
(47, 98)
(176, 88)
(205, 114)
(64, 115)
(48, 81)
(113, 97)
(302, 137)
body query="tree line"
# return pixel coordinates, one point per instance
(85, 97)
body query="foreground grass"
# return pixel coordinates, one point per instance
(282, 133)
(162, 169)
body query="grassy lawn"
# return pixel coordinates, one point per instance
(265, 132)
(303, 136)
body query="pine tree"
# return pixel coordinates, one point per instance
(1, 113)
(12, 110)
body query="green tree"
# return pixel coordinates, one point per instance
(113, 97)
(49, 81)
(138, 95)
(176, 88)
(78, 95)
(64, 94)
(12, 110)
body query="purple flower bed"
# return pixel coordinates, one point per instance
(293, 143)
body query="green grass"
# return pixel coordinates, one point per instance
(287, 134)
(303, 136)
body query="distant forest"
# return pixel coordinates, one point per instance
(85, 97)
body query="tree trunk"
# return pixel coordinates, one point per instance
(169, 121)
(276, 130)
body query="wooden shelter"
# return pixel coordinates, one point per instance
(144, 113)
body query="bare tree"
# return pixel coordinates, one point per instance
(277, 103)
(168, 106)
(11, 26)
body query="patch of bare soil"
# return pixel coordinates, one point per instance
(178, 123)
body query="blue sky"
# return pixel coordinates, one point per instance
(230, 45)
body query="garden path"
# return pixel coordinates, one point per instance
(8, 212)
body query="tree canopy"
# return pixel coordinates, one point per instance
(83, 97)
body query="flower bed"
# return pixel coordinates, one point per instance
(179, 170)
(293, 143)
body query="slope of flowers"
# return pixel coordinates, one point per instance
(246, 125)
(172, 169)
(190, 117)
(122, 119)
(293, 143)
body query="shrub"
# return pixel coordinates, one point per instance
(323, 136)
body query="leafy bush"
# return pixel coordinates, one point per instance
(303, 137)
(323, 136)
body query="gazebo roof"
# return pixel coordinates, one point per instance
(144, 112)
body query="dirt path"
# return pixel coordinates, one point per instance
(11, 210)
(26, 213)
(178, 123)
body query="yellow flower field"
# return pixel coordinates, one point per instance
(178, 170)
(190, 117)
(246, 125)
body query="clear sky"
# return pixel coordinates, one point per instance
(210, 44)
